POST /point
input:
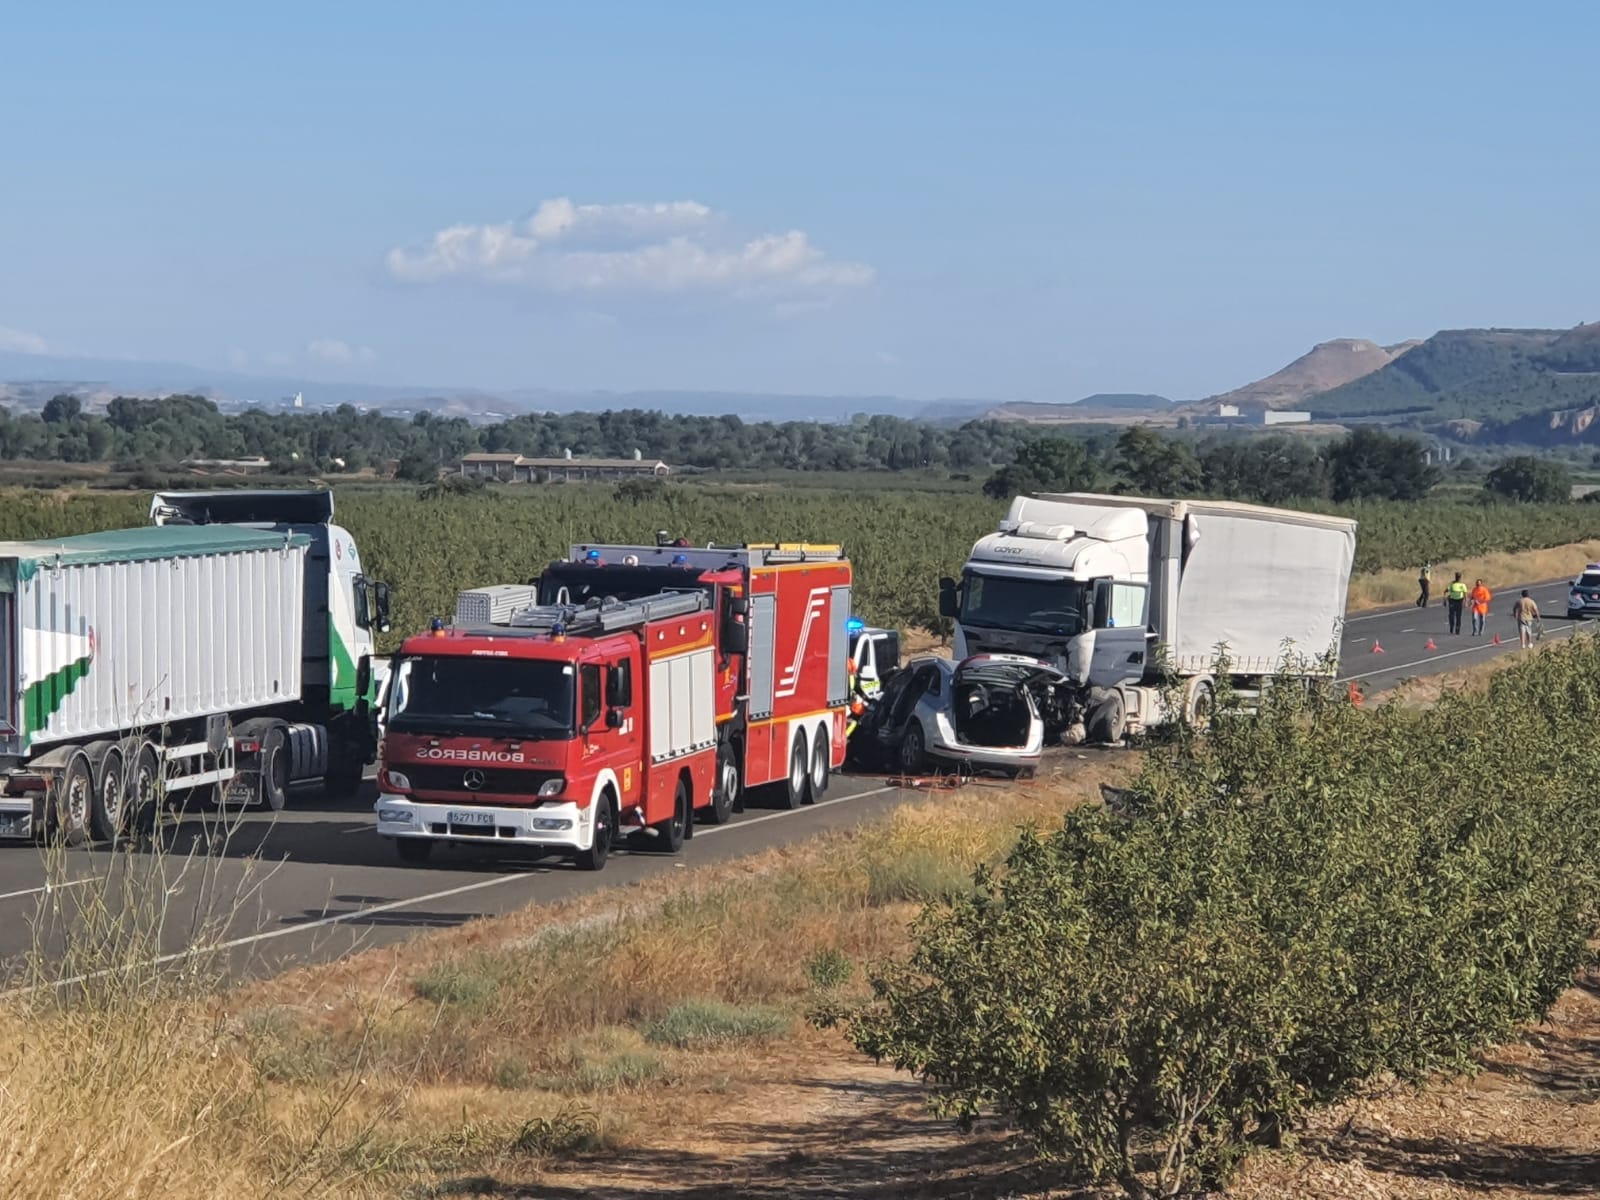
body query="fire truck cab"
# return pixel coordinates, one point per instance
(560, 728)
(782, 683)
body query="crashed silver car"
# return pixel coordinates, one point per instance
(981, 713)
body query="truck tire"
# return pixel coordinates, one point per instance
(1199, 702)
(605, 832)
(725, 791)
(344, 778)
(1108, 720)
(821, 764)
(275, 768)
(413, 851)
(108, 810)
(144, 785)
(792, 791)
(70, 799)
(670, 832)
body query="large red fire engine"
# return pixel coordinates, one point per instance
(783, 689)
(558, 729)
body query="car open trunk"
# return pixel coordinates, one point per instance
(990, 702)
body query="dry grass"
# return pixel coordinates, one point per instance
(1383, 588)
(493, 1049)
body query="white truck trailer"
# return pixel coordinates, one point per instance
(1125, 595)
(143, 661)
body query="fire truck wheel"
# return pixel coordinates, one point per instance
(817, 785)
(794, 788)
(726, 789)
(670, 833)
(605, 831)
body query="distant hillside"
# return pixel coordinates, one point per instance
(1098, 406)
(1326, 366)
(1491, 375)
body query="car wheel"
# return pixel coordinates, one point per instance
(913, 750)
(1574, 614)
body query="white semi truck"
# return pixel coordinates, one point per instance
(1128, 596)
(229, 644)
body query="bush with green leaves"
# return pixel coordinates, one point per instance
(1277, 913)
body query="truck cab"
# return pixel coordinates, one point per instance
(1068, 588)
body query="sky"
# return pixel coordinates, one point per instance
(1028, 201)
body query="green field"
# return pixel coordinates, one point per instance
(899, 539)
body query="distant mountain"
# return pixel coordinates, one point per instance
(1101, 406)
(29, 380)
(1325, 366)
(1496, 376)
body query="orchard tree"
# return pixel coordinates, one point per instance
(1529, 480)
(1045, 465)
(1369, 464)
(1155, 465)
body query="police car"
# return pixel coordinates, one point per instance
(1584, 599)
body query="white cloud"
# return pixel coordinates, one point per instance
(21, 342)
(332, 350)
(888, 358)
(670, 247)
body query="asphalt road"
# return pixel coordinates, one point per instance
(315, 883)
(1404, 632)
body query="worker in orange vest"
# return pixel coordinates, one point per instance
(1480, 597)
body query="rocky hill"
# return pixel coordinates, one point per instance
(1324, 367)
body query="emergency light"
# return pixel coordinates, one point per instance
(855, 625)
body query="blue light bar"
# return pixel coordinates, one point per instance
(855, 625)
(593, 556)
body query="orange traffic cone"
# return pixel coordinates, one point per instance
(1376, 648)
(1430, 645)
(1497, 639)
(1355, 695)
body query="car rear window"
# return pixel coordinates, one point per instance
(1590, 579)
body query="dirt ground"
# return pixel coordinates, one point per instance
(824, 1123)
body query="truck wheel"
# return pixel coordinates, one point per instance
(413, 851)
(344, 779)
(913, 750)
(817, 785)
(1200, 703)
(605, 831)
(726, 789)
(1109, 720)
(71, 798)
(144, 786)
(669, 833)
(275, 768)
(794, 787)
(108, 809)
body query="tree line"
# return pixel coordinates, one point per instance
(1365, 464)
(151, 433)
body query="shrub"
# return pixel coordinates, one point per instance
(1276, 914)
(696, 1023)
(456, 983)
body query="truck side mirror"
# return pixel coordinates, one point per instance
(614, 718)
(737, 606)
(380, 597)
(735, 637)
(619, 691)
(949, 603)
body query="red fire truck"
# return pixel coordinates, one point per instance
(561, 729)
(783, 687)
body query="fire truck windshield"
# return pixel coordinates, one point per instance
(579, 583)
(501, 697)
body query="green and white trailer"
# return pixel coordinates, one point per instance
(190, 654)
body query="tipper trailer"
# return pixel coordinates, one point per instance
(784, 639)
(138, 662)
(558, 728)
(1128, 597)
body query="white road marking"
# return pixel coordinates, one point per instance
(394, 905)
(50, 887)
(1433, 603)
